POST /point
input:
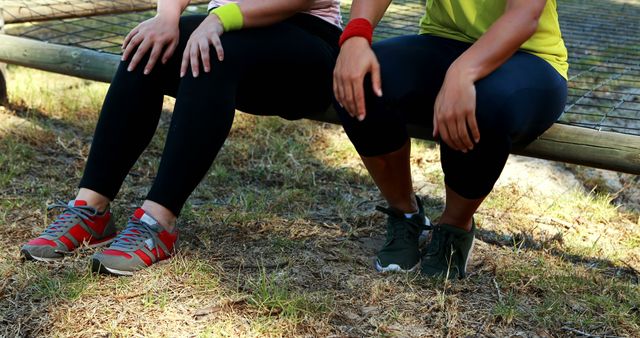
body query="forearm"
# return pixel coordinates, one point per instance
(502, 39)
(171, 9)
(372, 10)
(257, 13)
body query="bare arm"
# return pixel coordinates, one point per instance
(518, 23)
(356, 60)
(372, 10)
(454, 111)
(171, 9)
(257, 13)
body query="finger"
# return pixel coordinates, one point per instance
(436, 131)
(348, 99)
(376, 79)
(131, 46)
(169, 51)
(444, 135)
(336, 88)
(153, 58)
(454, 136)
(204, 55)
(195, 64)
(217, 44)
(185, 59)
(359, 101)
(473, 125)
(463, 134)
(128, 38)
(343, 98)
(140, 53)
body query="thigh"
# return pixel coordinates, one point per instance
(286, 70)
(413, 69)
(171, 71)
(523, 98)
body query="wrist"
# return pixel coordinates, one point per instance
(229, 15)
(358, 27)
(356, 41)
(169, 18)
(215, 21)
(463, 71)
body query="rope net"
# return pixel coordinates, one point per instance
(602, 37)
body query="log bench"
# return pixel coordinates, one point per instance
(600, 127)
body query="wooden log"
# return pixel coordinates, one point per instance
(25, 11)
(561, 142)
(4, 98)
(79, 62)
(599, 149)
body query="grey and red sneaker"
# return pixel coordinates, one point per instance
(143, 243)
(78, 225)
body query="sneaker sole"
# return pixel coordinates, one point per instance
(466, 263)
(98, 267)
(393, 268)
(28, 256)
(100, 243)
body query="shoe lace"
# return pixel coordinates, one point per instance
(398, 228)
(134, 235)
(444, 241)
(68, 218)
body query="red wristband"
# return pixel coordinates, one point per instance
(357, 27)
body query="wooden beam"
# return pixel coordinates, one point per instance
(25, 11)
(599, 149)
(78, 62)
(4, 98)
(561, 142)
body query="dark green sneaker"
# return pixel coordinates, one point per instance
(401, 252)
(448, 252)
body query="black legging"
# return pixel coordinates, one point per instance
(284, 69)
(515, 104)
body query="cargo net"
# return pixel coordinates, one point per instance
(602, 37)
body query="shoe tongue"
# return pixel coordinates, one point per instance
(420, 219)
(146, 218)
(77, 203)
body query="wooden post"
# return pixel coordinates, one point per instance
(4, 97)
(599, 149)
(78, 62)
(54, 10)
(561, 142)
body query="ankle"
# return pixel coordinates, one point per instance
(406, 206)
(93, 199)
(465, 225)
(165, 218)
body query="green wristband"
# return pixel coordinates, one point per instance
(230, 16)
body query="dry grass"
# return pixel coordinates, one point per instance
(278, 241)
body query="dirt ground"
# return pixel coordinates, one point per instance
(280, 237)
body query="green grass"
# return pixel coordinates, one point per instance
(279, 237)
(566, 294)
(271, 296)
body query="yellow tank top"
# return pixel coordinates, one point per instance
(467, 20)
